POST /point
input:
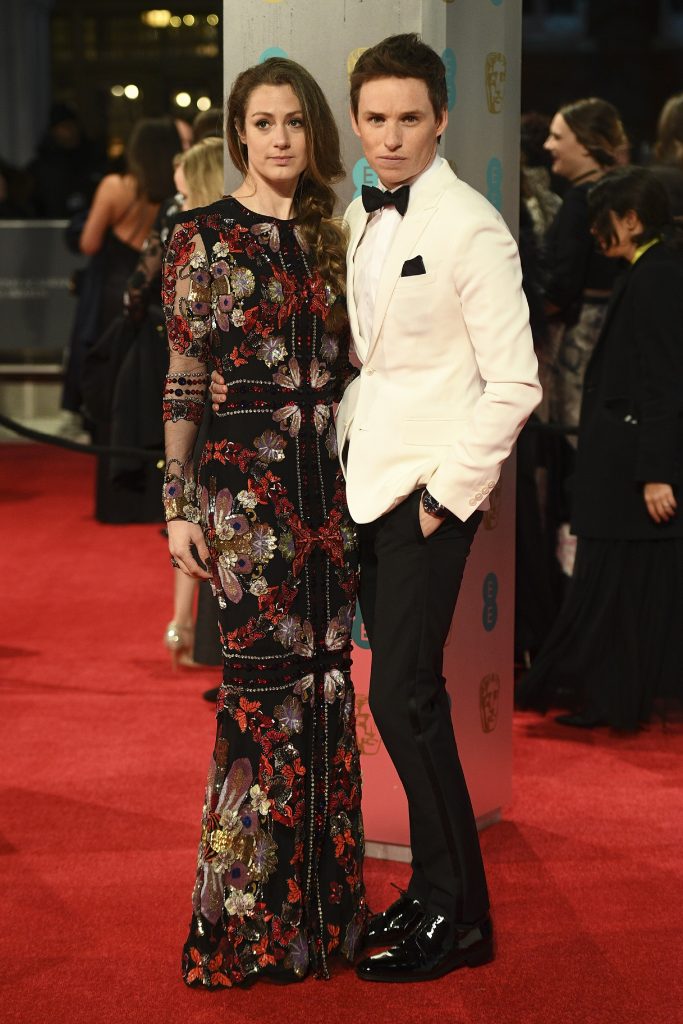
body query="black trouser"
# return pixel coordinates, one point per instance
(408, 589)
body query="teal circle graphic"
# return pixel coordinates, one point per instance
(272, 51)
(497, 3)
(494, 182)
(451, 65)
(362, 174)
(358, 634)
(489, 592)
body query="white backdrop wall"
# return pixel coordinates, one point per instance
(480, 44)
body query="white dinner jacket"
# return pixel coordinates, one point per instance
(448, 377)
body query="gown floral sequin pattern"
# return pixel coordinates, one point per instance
(279, 885)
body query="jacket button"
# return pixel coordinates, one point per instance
(478, 495)
(473, 501)
(369, 371)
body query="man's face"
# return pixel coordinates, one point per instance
(397, 128)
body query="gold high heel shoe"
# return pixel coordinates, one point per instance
(179, 641)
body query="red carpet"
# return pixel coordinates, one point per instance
(104, 752)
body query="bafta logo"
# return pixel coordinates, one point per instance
(492, 514)
(366, 731)
(494, 74)
(353, 57)
(489, 701)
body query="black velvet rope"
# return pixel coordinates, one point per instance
(78, 446)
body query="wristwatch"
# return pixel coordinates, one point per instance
(432, 506)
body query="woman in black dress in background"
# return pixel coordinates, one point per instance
(252, 286)
(618, 642)
(585, 140)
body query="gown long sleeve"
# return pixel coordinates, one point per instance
(187, 308)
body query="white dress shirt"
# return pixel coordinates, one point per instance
(372, 252)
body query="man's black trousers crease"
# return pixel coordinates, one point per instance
(408, 589)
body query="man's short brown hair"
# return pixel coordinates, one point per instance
(403, 56)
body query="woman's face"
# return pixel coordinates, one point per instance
(570, 158)
(625, 230)
(275, 138)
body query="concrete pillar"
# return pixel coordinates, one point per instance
(24, 77)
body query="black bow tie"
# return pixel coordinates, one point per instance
(375, 198)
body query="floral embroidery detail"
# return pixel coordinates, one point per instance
(289, 418)
(335, 685)
(270, 446)
(329, 348)
(286, 546)
(240, 545)
(289, 715)
(274, 291)
(267, 234)
(339, 629)
(179, 494)
(289, 378)
(321, 417)
(331, 443)
(320, 375)
(242, 281)
(247, 499)
(288, 630)
(272, 351)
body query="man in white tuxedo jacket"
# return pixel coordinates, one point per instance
(448, 378)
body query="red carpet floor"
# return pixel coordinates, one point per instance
(104, 752)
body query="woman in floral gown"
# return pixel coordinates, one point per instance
(251, 287)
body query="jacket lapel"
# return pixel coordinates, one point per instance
(411, 228)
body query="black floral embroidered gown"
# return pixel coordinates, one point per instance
(279, 885)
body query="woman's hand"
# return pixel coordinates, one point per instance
(218, 389)
(181, 535)
(660, 501)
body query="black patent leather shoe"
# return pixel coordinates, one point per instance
(435, 948)
(395, 923)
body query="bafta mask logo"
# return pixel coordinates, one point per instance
(489, 701)
(492, 515)
(494, 74)
(353, 57)
(366, 730)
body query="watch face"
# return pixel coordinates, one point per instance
(431, 505)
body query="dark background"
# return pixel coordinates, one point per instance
(627, 51)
